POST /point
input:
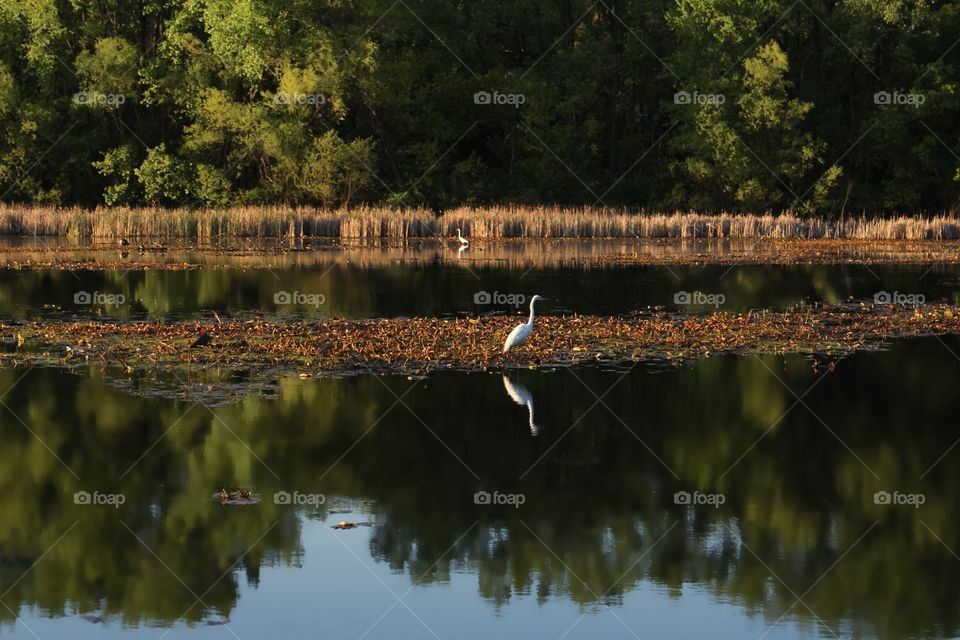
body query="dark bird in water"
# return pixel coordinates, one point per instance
(202, 340)
(124, 242)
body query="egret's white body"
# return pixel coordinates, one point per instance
(522, 331)
(521, 395)
(463, 241)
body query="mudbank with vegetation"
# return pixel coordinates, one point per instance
(422, 345)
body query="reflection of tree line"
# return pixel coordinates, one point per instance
(411, 288)
(594, 253)
(99, 563)
(598, 502)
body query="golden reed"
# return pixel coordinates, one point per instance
(487, 223)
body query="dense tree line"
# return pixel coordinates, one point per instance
(709, 104)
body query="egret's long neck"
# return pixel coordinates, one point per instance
(530, 321)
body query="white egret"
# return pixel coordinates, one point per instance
(522, 331)
(463, 241)
(521, 395)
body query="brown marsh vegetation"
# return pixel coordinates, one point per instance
(422, 345)
(489, 223)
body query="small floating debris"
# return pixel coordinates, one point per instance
(237, 497)
(343, 524)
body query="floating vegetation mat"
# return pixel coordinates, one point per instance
(417, 346)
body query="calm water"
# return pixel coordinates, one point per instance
(653, 502)
(342, 288)
(598, 548)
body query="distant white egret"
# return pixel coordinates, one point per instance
(522, 331)
(521, 395)
(463, 241)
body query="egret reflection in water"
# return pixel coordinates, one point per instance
(522, 396)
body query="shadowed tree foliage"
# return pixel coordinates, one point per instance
(819, 107)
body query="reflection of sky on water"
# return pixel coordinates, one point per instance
(339, 592)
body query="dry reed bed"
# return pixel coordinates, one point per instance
(488, 223)
(422, 345)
